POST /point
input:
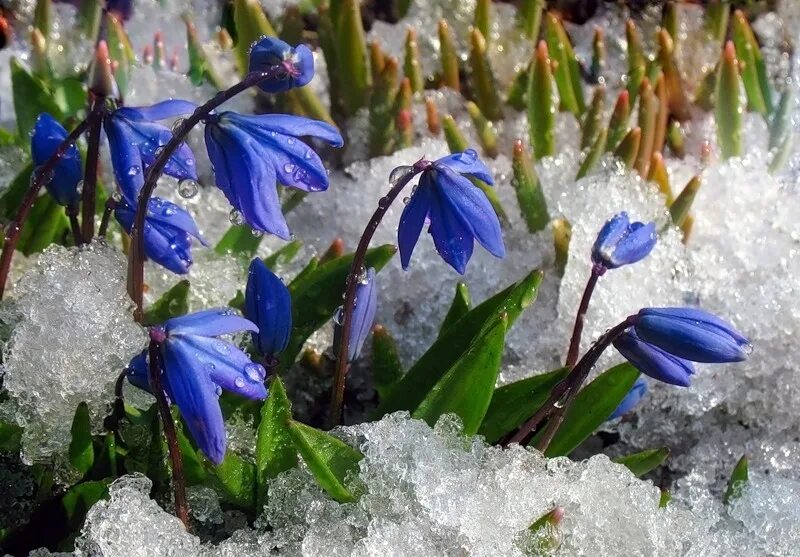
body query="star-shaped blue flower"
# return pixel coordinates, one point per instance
(297, 63)
(458, 212)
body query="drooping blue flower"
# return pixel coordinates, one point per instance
(121, 8)
(134, 139)
(692, 334)
(197, 367)
(458, 212)
(363, 317)
(653, 361)
(252, 154)
(622, 242)
(268, 304)
(48, 134)
(297, 64)
(631, 399)
(168, 232)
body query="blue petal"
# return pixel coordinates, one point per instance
(631, 399)
(653, 361)
(268, 304)
(413, 219)
(467, 163)
(209, 323)
(161, 110)
(246, 177)
(636, 245)
(48, 135)
(291, 125)
(169, 214)
(363, 314)
(269, 52)
(472, 206)
(701, 318)
(228, 367)
(125, 159)
(137, 371)
(609, 236)
(686, 339)
(303, 60)
(452, 239)
(196, 396)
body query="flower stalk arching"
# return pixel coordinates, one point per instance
(136, 255)
(356, 270)
(580, 317)
(39, 178)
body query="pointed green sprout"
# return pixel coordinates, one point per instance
(567, 71)
(542, 104)
(729, 106)
(486, 92)
(449, 57)
(529, 190)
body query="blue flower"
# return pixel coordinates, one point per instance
(48, 134)
(631, 399)
(458, 212)
(653, 361)
(251, 154)
(621, 242)
(268, 304)
(363, 317)
(168, 232)
(121, 8)
(134, 139)
(197, 367)
(297, 64)
(692, 334)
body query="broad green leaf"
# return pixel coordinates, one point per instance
(466, 389)
(514, 403)
(592, 406)
(448, 348)
(239, 240)
(81, 451)
(738, 480)
(275, 451)
(318, 292)
(80, 498)
(330, 459)
(386, 367)
(459, 307)
(284, 255)
(235, 479)
(31, 97)
(645, 461)
(172, 303)
(46, 224)
(10, 437)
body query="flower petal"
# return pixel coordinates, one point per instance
(125, 158)
(685, 339)
(609, 236)
(637, 244)
(653, 361)
(171, 215)
(467, 162)
(209, 323)
(162, 110)
(366, 305)
(288, 124)
(47, 136)
(631, 399)
(268, 304)
(413, 218)
(700, 317)
(452, 239)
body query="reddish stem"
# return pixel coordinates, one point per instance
(96, 114)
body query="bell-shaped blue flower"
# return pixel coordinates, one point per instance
(168, 232)
(198, 366)
(631, 399)
(296, 64)
(366, 305)
(48, 134)
(653, 361)
(252, 154)
(135, 138)
(268, 304)
(692, 334)
(622, 242)
(458, 212)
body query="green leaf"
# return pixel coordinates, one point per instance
(542, 104)
(46, 224)
(386, 367)
(484, 129)
(459, 307)
(679, 209)
(753, 68)
(592, 120)
(172, 303)
(284, 255)
(275, 452)
(487, 93)
(318, 292)
(120, 51)
(80, 498)
(618, 122)
(592, 156)
(592, 406)
(235, 479)
(81, 451)
(645, 461)
(738, 480)
(448, 348)
(193, 468)
(448, 53)
(329, 459)
(466, 389)
(567, 72)
(514, 403)
(31, 97)
(239, 240)
(664, 499)
(10, 437)
(528, 188)
(200, 67)
(251, 24)
(728, 107)
(529, 17)
(352, 53)
(70, 95)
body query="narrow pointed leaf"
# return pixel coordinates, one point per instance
(251, 24)
(675, 139)
(172, 303)
(81, 450)
(676, 91)
(517, 93)
(483, 20)
(432, 116)
(716, 15)
(728, 105)
(567, 73)
(592, 155)
(648, 113)
(737, 482)
(542, 105)
(459, 307)
(386, 366)
(352, 52)
(643, 462)
(239, 240)
(636, 60)
(562, 234)
(483, 127)
(382, 112)
(235, 480)
(46, 224)
(120, 51)
(529, 17)
(618, 123)
(754, 70)
(412, 68)
(662, 118)
(329, 459)
(658, 175)
(284, 255)
(403, 115)
(200, 66)
(592, 120)
(664, 499)
(628, 148)
(526, 183)
(780, 127)
(483, 83)
(31, 97)
(449, 57)
(679, 209)
(275, 451)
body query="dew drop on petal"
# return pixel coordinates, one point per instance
(236, 217)
(288, 168)
(169, 210)
(239, 382)
(468, 156)
(291, 141)
(176, 126)
(255, 372)
(188, 188)
(218, 390)
(134, 170)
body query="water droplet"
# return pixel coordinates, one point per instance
(308, 154)
(338, 316)
(748, 348)
(78, 187)
(134, 170)
(188, 188)
(117, 196)
(406, 200)
(255, 372)
(399, 173)
(257, 233)
(169, 210)
(362, 276)
(468, 156)
(291, 141)
(236, 217)
(222, 347)
(239, 382)
(218, 390)
(288, 168)
(384, 203)
(177, 125)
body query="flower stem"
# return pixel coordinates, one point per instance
(580, 318)
(136, 255)
(564, 392)
(178, 479)
(356, 269)
(72, 214)
(96, 115)
(111, 204)
(38, 179)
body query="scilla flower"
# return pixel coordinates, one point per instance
(297, 63)
(458, 212)
(252, 154)
(363, 317)
(197, 367)
(653, 361)
(630, 401)
(134, 139)
(622, 242)
(268, 304)
(48, 134)
(168, 232)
